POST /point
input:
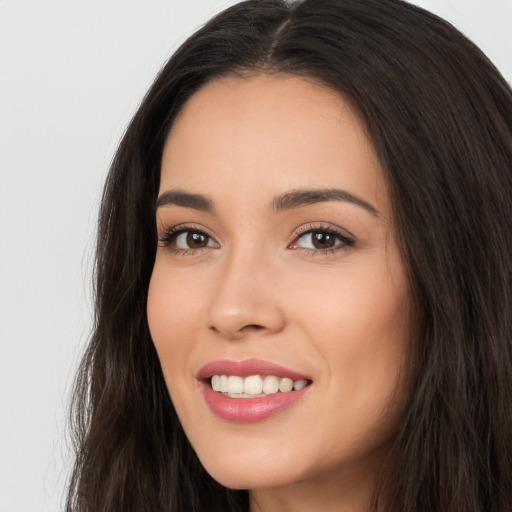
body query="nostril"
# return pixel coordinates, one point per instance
(253, 327)
(245, 328)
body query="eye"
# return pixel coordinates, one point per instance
(187, 239)
(193, 240)
(321, 239)
(318, 240)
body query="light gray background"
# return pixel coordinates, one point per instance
(71, 75)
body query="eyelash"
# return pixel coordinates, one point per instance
(170, 235)
(345, 240)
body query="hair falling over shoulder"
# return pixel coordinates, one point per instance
(440, 117)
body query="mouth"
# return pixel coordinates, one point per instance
(250, 390)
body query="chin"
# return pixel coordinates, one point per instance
(247, 473)
(245, 479)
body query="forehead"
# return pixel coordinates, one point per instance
(270, 133)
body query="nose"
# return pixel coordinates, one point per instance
(245, 300)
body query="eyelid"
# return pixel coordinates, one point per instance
(322, 226)
(168, 235)
(345, 236)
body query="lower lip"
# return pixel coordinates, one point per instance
(248, 410)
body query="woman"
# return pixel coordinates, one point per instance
(303, 273)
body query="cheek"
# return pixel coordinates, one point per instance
(173, 311)
(366, 306)
(360, 329)
(173, 316)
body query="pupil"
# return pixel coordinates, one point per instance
(196, 240)
(322, 240)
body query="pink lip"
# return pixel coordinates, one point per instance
(246, 410)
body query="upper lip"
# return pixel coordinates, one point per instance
(248, 367)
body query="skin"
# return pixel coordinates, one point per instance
(258, 289)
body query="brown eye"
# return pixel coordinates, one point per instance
(321, 240)
(196, 240)
(189, 240)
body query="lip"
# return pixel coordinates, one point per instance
(248, 410)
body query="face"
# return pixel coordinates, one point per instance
(278, 268)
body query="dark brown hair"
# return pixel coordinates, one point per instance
(440, 117)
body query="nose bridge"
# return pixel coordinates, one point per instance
(244, 299)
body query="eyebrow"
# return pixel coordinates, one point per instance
(288, 201)
(178, 197)
(297, 198)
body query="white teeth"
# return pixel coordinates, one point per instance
(235, 384)
(299, 384)
(254, 385)
(270, 384)
(285, 385)
(223, 384)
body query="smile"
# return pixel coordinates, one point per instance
(254, 386)
(266, 389)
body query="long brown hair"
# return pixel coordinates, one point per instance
(440, 117)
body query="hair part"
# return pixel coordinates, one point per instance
(440, 117)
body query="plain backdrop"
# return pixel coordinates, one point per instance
(71, 76)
